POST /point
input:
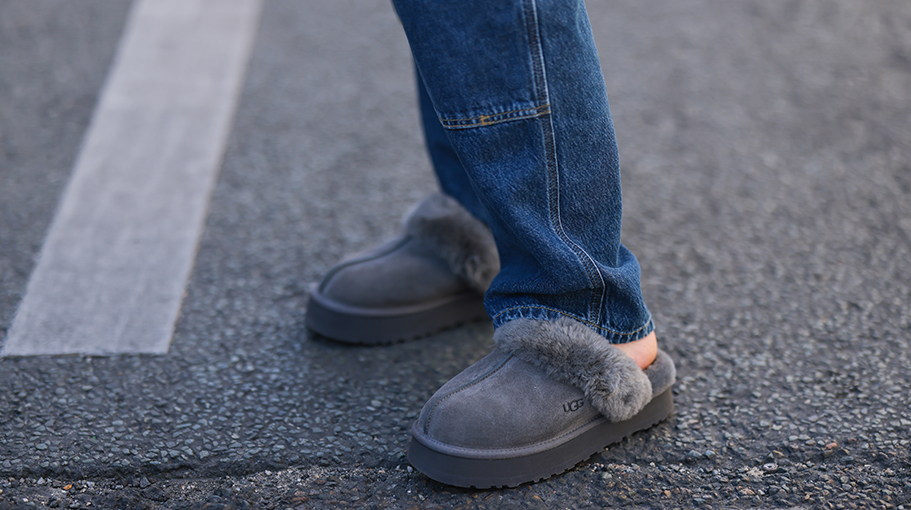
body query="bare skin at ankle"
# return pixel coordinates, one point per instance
(643, 351)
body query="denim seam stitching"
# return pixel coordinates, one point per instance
(553, 173)
(571, 316)
(496, 118)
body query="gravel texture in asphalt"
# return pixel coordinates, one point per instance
(767, 191)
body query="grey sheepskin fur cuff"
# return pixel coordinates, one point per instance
(572, 353)
(462, 240)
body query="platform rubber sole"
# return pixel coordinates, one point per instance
(510, 472)
(372, 326)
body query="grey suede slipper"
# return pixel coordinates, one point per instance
(431, 278)
(549, 396)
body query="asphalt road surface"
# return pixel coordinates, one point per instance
(766, 154)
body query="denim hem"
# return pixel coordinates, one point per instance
(551, 314)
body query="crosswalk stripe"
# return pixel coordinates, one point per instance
(114, 265)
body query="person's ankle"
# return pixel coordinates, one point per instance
(642, 351)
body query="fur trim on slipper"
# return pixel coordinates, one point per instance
(570, 352)
(662, 373)
(462, 240)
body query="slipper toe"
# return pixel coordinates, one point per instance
(534, 408)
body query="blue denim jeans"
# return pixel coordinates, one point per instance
(519, 130)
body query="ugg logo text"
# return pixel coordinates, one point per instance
(573, 406)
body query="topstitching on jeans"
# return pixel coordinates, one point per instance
(552, 165)
(495, 118)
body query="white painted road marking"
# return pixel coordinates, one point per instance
(114, 266)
